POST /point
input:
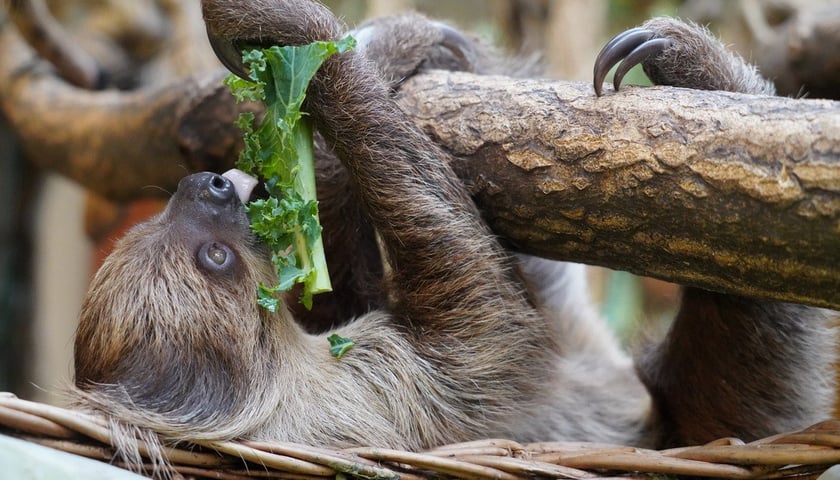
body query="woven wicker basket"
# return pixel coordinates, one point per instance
(803, 454)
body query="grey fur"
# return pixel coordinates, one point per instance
(696, 59)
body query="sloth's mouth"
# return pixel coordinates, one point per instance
(244, 184)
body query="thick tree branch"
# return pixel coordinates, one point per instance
(725, 191)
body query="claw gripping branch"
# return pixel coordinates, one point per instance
(630, 48)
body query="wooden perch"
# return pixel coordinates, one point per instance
(725, 191)
(729, 192)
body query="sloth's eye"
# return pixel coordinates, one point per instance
(215, 257)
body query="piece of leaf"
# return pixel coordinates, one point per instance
(339, 345)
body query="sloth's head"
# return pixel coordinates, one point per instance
(175, 303)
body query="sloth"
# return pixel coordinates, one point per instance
(456, 337)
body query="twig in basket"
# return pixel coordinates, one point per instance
(26, 422)
(338, 461)
(763, 454)
(91, 427)
(268, 459)
(439, 464)
(517, 466)
(654, 463)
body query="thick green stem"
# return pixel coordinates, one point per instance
(315, 259)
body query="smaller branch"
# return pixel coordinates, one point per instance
(800, 55)
(117, 144)
(34, 21)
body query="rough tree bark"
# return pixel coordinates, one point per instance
(724, 191)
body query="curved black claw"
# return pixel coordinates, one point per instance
(460, 46)
(630, 48)
(230, 55)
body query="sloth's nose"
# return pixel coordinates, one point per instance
(221, 189)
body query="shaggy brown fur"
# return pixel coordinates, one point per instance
(399, 46)
(460, 340)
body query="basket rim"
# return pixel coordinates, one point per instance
(807, 452)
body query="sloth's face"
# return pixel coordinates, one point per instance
(180, 280)
(206, 217)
